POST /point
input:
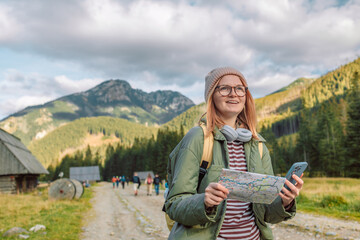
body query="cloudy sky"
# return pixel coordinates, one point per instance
(49, 49)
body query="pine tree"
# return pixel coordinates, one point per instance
(88, 157)
(107, 172)
(276, 155)
(329, 137)
(306, 148)
(352, 129)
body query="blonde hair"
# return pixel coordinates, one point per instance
(246, 117)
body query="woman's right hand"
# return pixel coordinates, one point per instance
(215, 193)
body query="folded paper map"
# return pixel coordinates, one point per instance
(251, 187)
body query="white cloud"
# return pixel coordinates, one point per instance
(12, 105)
(19, 90)
(72, 86)
(8, 25)
(173, 44)
(118, 37)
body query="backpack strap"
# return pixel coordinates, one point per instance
(207, 155)
(260, 149)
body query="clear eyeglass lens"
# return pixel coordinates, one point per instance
(225, 90)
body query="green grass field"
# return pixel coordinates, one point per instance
(62, 218)
(335, 197)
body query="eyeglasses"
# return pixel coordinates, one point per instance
(225, 90)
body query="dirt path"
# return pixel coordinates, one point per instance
(109, 218)
(118, 214)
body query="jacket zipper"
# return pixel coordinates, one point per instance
(225, 203)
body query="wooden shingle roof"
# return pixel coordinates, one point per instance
(91, 173)
(15, 158)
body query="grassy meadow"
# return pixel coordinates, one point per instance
(62, 218)
(335, 197)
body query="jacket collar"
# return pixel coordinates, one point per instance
(218, 135)
(261, 139)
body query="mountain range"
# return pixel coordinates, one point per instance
(114, 98)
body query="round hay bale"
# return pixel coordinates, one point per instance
(62, 189)
(79, 189)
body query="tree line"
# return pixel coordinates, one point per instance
(79, 159)
(143, 155)
(48, 149)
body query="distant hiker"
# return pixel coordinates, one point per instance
(200, 208)
(137, 183)
(123, 180)
(117, 181)
(156, 183)
(127, 181)
(113, 181)
(149, 181)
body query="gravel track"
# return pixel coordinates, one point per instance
(118, 214)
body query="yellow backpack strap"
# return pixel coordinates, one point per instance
(260, 149)
(207, 155)
(208, 147)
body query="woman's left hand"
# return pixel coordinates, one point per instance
(289, 196)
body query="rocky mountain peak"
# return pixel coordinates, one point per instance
(109, 92)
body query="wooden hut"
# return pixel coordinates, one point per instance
(85, 174)
(19, 169)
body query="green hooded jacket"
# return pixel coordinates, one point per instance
(186, 206)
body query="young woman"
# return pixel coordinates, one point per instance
(149, 181)
(206, 213)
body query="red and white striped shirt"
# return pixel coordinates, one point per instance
(239, 221)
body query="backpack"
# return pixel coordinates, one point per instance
(156, 180)
(205, 163)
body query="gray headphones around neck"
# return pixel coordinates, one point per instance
(240, 134)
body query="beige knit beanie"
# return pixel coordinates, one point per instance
(213, 77)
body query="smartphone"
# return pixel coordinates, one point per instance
(297, 168)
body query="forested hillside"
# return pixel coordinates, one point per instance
(325, 133)
(145, 154)
(283, 103)
(187, 120)
(333, 84)
(49, 148)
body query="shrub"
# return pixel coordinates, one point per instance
(333, 201)
(356, 207)
(302, 198)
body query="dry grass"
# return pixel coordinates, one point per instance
(319, 187)
(337, 197)
(92, 140)
(62, 219)
(16, 207)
